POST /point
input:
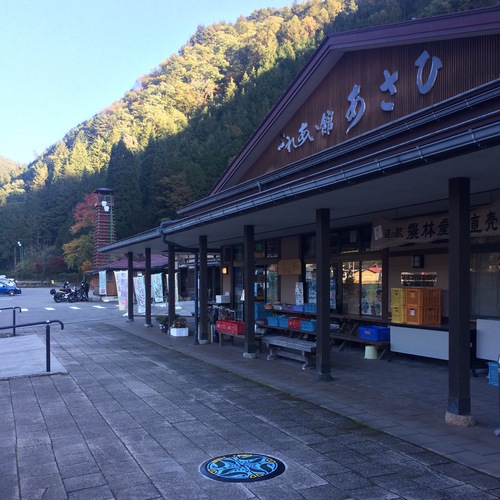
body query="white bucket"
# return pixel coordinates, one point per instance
(371, 352)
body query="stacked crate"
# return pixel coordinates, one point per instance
(398, 305)
(423, 306)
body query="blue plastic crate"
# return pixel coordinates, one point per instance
(283, 321)
(310, 308)
(272, 321)
(493, 373)
(308, 325)
(374, 332)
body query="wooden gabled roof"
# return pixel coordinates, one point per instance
(422, 31)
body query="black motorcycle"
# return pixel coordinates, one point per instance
(65, 294)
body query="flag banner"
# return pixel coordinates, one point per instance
(122, 289)
(140, 294)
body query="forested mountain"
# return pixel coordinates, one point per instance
(166, 142)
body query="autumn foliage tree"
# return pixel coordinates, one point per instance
(78, 252)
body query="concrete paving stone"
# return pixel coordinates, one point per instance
(78, 468)
(41, 469)
(345, 456)
(129, 466)
(9, 487)
(34, 455)
(121, 481)
(178, 486)
(370, 469)
(270, 490)
(63, 430)
(470, 457)
(106, 450)
(140, 491)
(30, 485)
(7, 466)
(348, 481)
(93, 493)
(406, 488)
(161, 465)
(325, 467)
(84, 481)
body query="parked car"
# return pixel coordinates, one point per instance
(6, 289)
(9, 281)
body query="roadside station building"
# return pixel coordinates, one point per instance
(376, 173)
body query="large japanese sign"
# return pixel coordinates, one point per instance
(390, 233)
(366, 90)
(425, 69)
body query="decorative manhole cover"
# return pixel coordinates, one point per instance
(242, 467)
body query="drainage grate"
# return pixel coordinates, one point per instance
(242, 467)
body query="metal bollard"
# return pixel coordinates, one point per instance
(497, 431)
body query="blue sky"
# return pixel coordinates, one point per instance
(62, 61)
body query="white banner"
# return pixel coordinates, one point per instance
(157, 287)
(122, 289)
(176, 289)
(102, 282)
(140, 294)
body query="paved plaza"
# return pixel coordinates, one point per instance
(130, 412)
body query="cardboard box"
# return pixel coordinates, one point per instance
(223, 299)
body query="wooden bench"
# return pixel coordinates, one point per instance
(230, 339)
(287, 347)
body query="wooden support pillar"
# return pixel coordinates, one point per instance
(147, 286)
(203, 292)
(249, 304)
(323, 367)
(459, 403)
(171, 283)
(130, 286)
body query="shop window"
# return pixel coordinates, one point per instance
(485, 284)
(334, 244)
(362, 287)
(310, 294)
(349, 241)
(259, 250)
(350, 288)
(309, 245)
(371, 288)
(238, 273)
(238, 253)
(272, 283)
(272, 249)
(267, 249)
(311, 285)
(266, 283)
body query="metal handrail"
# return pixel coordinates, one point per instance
(13, 316)
(47, 336)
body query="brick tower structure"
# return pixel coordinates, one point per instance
(104, 225)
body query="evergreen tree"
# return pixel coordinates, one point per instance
(123, 180)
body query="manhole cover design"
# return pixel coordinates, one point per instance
(242, 467)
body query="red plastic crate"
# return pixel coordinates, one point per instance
(229, 326)
(294, 323)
